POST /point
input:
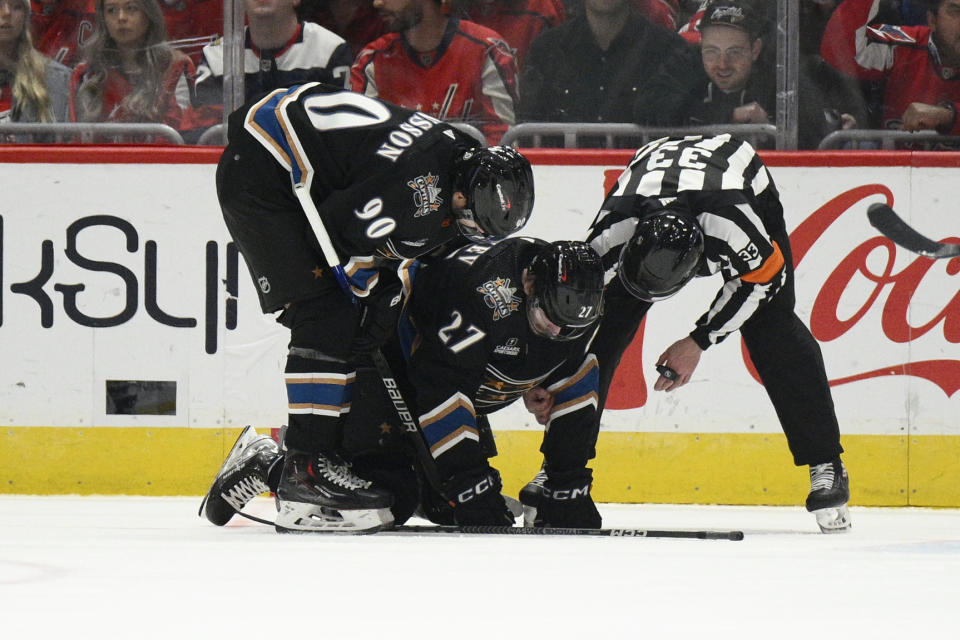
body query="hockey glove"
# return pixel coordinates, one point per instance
(476, 498)
(560, 500)
(378, 318)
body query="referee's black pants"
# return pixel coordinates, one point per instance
(786, 355)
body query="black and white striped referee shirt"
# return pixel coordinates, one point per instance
(729, 190)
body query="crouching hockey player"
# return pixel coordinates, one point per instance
(319, 188)
(481, 327)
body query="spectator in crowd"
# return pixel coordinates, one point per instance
(129, 72)
(920, 65)
(518, 21)
(448, 68)
(191, 24)
(734, 82)
(61, 28)
(33, 88)
(593, 67)
(354, 20)
(279, 51)
(665, 13)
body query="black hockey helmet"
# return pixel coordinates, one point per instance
(567, 288)
(663, 254)
(498, 185)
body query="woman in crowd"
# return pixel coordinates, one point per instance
(129, 72)
(33, 88)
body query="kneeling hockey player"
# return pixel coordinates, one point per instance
(481, 327)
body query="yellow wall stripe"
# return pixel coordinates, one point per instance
(710, 468)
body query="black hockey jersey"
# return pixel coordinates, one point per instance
(470, 352)
(727, 187)
(381, 176)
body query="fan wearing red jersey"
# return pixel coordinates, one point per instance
(62, 27)
(130, 73)
(518, 21)
(449, 68)
(920, 64)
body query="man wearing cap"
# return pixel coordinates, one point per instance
(731, 79)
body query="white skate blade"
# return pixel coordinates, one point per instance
(246, 437)
(834, 519)
(513, 505)
(529, 515)
(303, 516)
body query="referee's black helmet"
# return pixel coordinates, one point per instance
(663, 254)
(498, 185)
(568, 287)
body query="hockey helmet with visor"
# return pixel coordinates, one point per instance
(497, 183)
(663, 254)
(567, 289)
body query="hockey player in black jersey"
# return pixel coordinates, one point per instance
(484, 326)
(697, 206)
(319, 189)
(481, 326)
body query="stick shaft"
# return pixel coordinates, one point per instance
(410, 425)
(557, 531)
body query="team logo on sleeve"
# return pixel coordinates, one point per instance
(500, 296)
(426, 194)
(891, 33)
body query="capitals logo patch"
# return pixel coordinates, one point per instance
(500, 296)
(890, 33)
(426, 194)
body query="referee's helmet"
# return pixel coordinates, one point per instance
(663, 254)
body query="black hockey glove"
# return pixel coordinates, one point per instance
(379, 313)
(560, 500)
(476, 498)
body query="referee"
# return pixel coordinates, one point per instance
(696, 206)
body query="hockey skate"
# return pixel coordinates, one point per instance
(530, 497)
(829, 493)
(318, 493)
(244, 475)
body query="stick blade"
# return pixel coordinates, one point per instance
(887, 222)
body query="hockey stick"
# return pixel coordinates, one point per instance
(410, 425)
(564, 531)
(887, 222)
(498, 530)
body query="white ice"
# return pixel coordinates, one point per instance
(127, 567)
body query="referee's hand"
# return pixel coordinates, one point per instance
(681, 358)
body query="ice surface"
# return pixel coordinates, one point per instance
(126, 567)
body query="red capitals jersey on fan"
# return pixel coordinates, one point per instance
(173, 98)
(518, 22)
(61, 28)
(661, 12)
(691, 30)
(471, 77)
(192, 24)
(904, 56)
